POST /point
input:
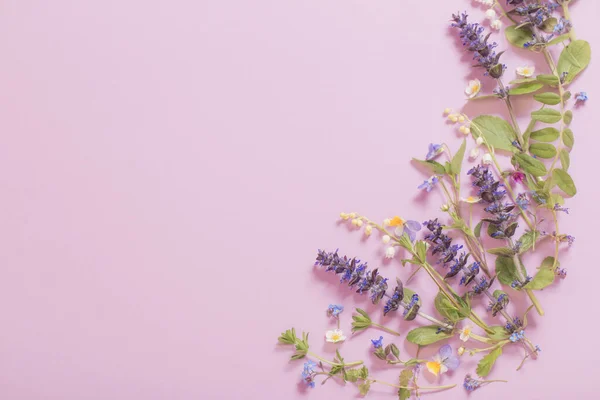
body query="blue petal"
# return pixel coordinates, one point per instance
(452, 363)
(445, 351)
(413, 225)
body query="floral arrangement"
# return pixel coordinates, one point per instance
(520, 207)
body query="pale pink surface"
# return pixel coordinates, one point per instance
(169, 168)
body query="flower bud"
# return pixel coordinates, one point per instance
(445, 207)
(486, 159)
(368, 230)
(460, 351)
(344, 216)
(386, 238)
(496, 71)
(479, 141)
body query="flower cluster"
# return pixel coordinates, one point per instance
(472, 36)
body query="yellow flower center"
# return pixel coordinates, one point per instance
(467, 331)
(397, 221)
(434, 367)
(335, 337)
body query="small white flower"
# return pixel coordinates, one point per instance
(491, 14)
(385, 239)
(464, 129)
(368, 230)
(470, 199)
(390, 252)
(474, 153)
(387, 222)
(479, 141)
(473, 88)
(359, 223)
(486, 159)
(488, 3)
(526, 71)
(465, 333)
(335, 336)
(496, 24)
(460, 351)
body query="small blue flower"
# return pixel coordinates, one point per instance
(471, 384)
(434, 151)
(377, 343)
(581, 97)
(561, 273)
(558, 207)
(537, 349)
(308, 373)
(429, 184)
(334, 310)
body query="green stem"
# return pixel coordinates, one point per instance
(414, 387)
(385, 328)
(333, 364)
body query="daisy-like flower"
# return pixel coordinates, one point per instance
(496, 24)
(410, 227)
(429, 184)
(526, 71)
(465, 333)
(471, 199)
(390, 252)
(473, 88)
(434, 151)
(335, 336)
(443, 361)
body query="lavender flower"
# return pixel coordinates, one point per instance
(377, 343)
(558, 207)
(472, 36)
(434, 151)
(429, 184)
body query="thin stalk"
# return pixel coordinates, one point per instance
(414, 387)
(310, 353)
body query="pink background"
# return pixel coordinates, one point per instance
(169, 168)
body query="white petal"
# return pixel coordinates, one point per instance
(479, 141)
(496, 24)
(443, 369)
(399, 230)
(474, 153)
(490, 14)
(328, 334)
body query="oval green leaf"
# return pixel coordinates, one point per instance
(525, 88)
(543, 150)
(496, 131)
(545, 135)
(547, 115)
(574, 58)
(530, 164)
(427, 335)
(565, 159)
(549, 98)
(564, 181)
(518, 37)
(568, 138)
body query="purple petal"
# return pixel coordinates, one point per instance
(445, 351)
(413, 225)
(452, 362)
(411, 234)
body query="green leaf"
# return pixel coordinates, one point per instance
(501, 251)
(498, 333)
(433, 166)
(506, 270)
(547, 115)
(559, 39)
(522, 80)
(395, 351)
(457, 160)
(568, 117)
(363, 313)
(527, 240)
(496, 132)
(427, 335)
(548, 25)
(564, 181)
(485, 365)
(364, 387)
(544, 277)
(477, 230)
(565, 159)
(363, 372)
(545, 135)
(568, 138)
(573, 59)
(530, 164)
(404, 380)
(543, 150)
(491, 229)
(549, 98)
(518, 37)
(288, 337)
(446, 308)
(551, 80)
(525, 88)
(352, 375)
